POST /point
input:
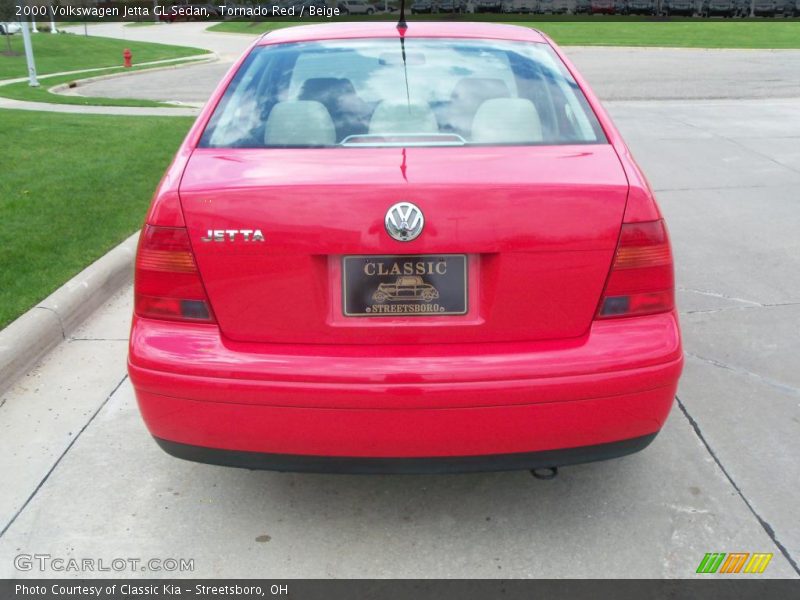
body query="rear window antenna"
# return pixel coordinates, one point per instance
(401, 28)
(401, 24)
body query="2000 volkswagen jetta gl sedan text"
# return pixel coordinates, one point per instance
(535, 326)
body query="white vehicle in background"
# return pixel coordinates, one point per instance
(492, 6)
(423, 6)
(452, 6)
(520, 6)
(356, 7)
(10, 28)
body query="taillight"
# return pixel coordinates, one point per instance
(168, 285)
(641, 281)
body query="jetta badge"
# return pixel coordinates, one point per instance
(404, 221)
(231, 235)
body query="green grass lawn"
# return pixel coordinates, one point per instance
(72, 187)
(71, 52)
(635, 32)
(256, 27)
(677, 34)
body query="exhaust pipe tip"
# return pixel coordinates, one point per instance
(545, 473)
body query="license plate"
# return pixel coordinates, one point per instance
(407, 286)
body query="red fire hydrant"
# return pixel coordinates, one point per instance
(126, 58)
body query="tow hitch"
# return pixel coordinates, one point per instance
(545, 473)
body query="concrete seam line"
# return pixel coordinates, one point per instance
(27, 339)
(768, 529)
(60, 458)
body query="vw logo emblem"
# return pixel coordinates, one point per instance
(404, 221)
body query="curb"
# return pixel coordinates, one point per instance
(26, 340)
(210, 56)
(89, 109)
(203, 59)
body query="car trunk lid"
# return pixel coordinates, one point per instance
(538, 226)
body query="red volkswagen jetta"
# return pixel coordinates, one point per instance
(423, 249)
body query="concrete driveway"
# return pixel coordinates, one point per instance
(84, 480)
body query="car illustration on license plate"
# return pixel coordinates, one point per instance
(405, 288)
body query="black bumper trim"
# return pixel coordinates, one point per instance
(416, 465)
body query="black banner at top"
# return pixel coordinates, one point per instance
(170, 11)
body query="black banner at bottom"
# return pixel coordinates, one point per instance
(393, 589)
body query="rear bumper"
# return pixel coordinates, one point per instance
(390, 409)
(300, 463)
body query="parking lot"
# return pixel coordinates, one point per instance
(718, 134)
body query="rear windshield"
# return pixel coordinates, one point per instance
(379, 92)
